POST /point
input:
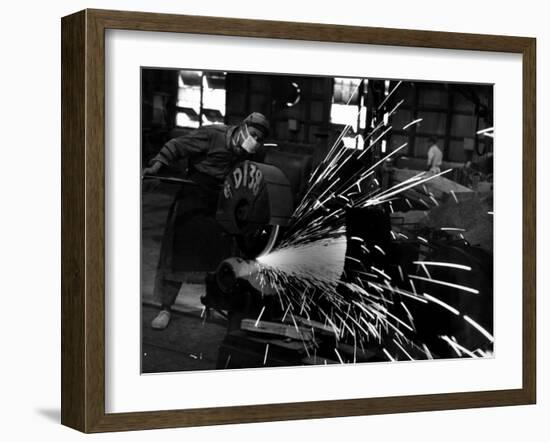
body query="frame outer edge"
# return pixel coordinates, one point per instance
(95, 222)
(161, 22)
(529, 221)
(83, 230)
(73, 132)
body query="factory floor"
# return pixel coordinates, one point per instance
(188, 343)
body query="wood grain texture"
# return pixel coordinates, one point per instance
(529, 221)
(73, 257)
(306, 31)
(83, 220)
(95, 222)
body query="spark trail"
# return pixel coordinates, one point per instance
(317, 262)
(371, 305)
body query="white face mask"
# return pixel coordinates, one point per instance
(249, 143)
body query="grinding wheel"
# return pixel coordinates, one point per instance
(255, 203)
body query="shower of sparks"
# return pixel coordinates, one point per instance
(371, 305)
(425, 270)
(380, 249)
(443, 264)
(339, 357)
(479, 328)
(403, 350)
(448, 284)
(320, 262)
(389, 95)
(489, 132)
(259, 317)
(458, 348)
(442, 304)
(427, 351)
(412, 123)
(454, 196)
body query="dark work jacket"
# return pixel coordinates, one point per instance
(191, 228)
(209, 153)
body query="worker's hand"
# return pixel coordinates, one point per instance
(153, 168)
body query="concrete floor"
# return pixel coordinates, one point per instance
(188, 343)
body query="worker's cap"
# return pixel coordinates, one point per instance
(258, 121)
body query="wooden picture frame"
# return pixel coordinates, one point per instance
(83, 220)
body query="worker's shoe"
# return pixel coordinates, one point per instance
(161, 321)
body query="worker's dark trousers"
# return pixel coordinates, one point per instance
(168, 290)
(191, 201)
(165, 289)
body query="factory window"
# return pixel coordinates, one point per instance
(348, 109)
(201, 98)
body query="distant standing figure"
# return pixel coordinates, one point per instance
(435, 156)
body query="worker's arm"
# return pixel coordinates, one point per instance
(189, 145)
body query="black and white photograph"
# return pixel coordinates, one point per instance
(300, 220)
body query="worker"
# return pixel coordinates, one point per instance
(435, 156)
(212, 152)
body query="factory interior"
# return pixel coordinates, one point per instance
(387, 125)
